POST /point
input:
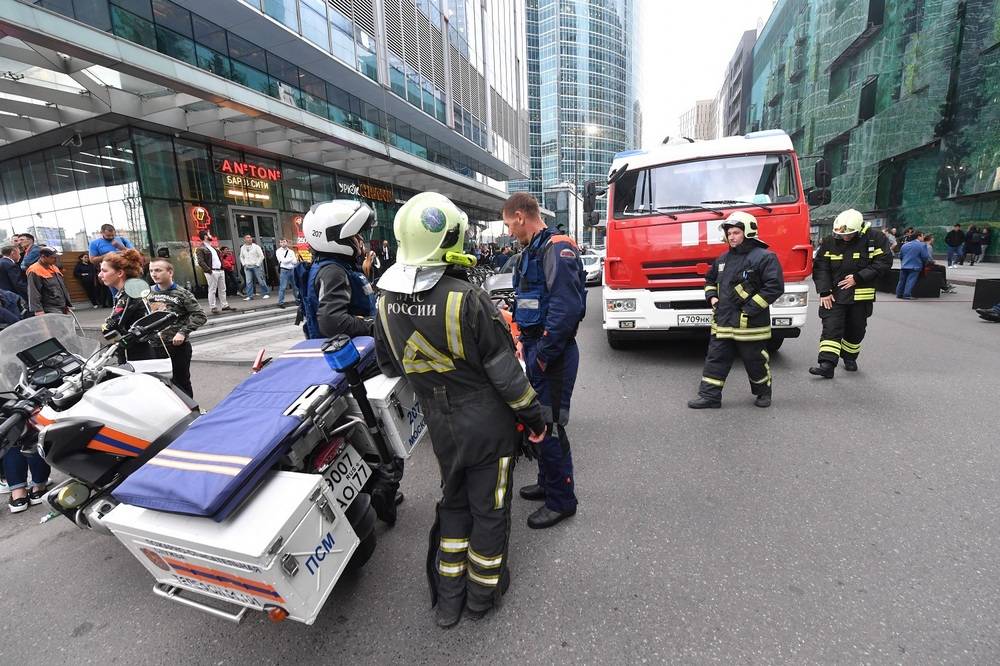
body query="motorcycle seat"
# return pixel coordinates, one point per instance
(217, 462)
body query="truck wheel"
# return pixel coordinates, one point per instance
(617, 340)
(774, 344)
(361, 516)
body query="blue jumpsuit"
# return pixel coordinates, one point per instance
(551, 299)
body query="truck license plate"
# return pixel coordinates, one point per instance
(781, 321)
(694, 320)
(346, 475)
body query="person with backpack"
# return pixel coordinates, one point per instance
(336, 298)
(551, 300)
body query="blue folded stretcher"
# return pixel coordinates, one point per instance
(212, 467)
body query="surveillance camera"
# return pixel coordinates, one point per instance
(74, 141)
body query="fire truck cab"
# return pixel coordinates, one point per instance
(664, 209)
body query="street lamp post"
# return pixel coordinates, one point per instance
(587, 130)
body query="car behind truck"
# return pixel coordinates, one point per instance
(664, 209)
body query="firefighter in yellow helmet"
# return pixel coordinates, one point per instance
(846, 267)
(448, 339)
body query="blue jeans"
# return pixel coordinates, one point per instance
(954, 254)
(286, 278)
(907, 280)
(252, 274)
(16, 465)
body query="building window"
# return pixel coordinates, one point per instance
(156, 165)
(866, 107)
(836, 153)
(876, 12)
(284, 11)
(195, 168)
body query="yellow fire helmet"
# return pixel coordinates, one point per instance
(430, 230)
(848, 222)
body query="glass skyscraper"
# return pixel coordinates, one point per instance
(583, 89)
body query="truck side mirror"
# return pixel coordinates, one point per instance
(818, 197)
(821, 176)
(591, 219)
(589, 197)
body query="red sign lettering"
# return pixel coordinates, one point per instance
(247, 169)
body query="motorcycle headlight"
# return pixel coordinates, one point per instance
(791, 300)
(620, 305)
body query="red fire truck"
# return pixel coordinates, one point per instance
(664, 210)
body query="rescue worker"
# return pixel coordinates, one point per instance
(550, 300)
(336, 298)
(448, 339)
(740, 286)
(846, 267)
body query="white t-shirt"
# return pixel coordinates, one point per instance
(286, 258)
(216, 260)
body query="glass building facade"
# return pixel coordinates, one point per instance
(901, 98)
(583, 85)
(442, 82)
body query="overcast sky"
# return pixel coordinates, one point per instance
(686, 45)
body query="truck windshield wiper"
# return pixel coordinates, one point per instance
(742, 203)
(688, 207)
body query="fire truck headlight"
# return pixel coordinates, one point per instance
(791, 300)
(620, 305)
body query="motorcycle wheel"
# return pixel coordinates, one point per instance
(361, 516)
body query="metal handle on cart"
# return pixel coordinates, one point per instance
(174, 594)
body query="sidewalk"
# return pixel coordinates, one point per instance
(92, 319)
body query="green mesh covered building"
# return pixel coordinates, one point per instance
(902, 98)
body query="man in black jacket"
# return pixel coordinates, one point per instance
(846, 268)
(12, 278)
(955, 239)
(740, 286)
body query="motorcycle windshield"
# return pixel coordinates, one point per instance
(32, 331)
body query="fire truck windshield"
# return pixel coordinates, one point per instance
(750, 180)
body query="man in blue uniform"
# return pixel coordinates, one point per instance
(551, 299)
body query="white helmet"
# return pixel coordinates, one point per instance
(329, 227)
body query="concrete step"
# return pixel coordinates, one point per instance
(240, 323)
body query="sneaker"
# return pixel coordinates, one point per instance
(266, 296)
(248, 298)
(4, 488)
(229, 308)
(281, 305)
(18, 505)
(37, 495)
(97, 307)
(216, 310)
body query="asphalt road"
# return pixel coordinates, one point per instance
(853, 522)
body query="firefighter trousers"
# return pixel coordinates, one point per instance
(474, 439)
(554, 386)
(719, 360)
(844, 327)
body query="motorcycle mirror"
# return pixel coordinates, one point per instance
(136, 288)
(153, 320)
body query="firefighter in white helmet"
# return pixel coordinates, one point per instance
(847, 265)
(740, 286)
(449, 340)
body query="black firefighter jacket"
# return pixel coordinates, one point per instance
(867, 256)
(458, 355)
(746, 279)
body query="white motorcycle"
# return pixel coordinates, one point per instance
(260, 503)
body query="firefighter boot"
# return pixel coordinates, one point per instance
(824, 369)
(763, 399)
(851, 364)
(701, 402)
(534, 493)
